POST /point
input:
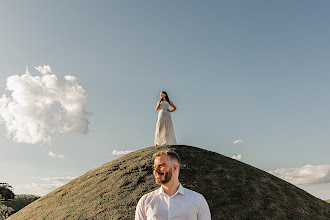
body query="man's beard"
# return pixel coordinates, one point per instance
(168, 177)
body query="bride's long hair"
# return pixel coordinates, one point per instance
(166, 97)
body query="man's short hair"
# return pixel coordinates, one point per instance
(171, 155)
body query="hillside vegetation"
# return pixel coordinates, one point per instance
(233, 190)
(11, 206)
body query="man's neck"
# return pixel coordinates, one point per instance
(171, 187)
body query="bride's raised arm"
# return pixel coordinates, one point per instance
(157, 106)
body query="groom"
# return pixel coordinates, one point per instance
(171, 200)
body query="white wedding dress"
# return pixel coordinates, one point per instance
(164, 134)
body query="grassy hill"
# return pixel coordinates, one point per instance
(233, 189)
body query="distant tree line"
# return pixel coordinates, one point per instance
(6, 191)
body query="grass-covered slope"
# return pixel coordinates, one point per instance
(233, 189)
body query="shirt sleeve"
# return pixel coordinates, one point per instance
(204, 210)
(139, 212)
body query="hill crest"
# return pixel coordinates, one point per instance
(233, 189)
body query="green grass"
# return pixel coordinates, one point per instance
(233, 189)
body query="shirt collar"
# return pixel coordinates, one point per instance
(180, 190)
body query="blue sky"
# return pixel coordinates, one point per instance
(256, 71)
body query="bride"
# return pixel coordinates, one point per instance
(164, 128)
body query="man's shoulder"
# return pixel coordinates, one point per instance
(192, 192)
(149, 194)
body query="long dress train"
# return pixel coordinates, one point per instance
(164, 134)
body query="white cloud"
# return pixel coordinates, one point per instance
(53, 155)
(321, 191)
(40, 106)
(238, 157)
(58, 180)
(33, 189)
(238, 141)
(41, 189)
(114, 152)
(43, 69)
(306, 175)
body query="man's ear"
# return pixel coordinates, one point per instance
(175, 167)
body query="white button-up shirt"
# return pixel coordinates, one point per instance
(185, 204)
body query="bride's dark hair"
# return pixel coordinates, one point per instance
(166, 97)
